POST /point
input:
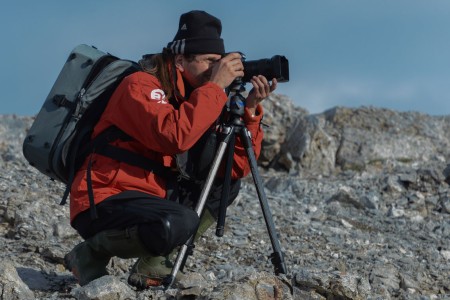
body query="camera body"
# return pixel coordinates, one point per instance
(276, 67)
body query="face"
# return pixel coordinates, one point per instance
(196, 70)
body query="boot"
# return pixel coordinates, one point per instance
(85, 263)
(88, 260)
(151, 270)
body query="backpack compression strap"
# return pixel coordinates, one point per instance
(103, 147)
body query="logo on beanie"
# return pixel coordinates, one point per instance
(158, 95)
(184, 27)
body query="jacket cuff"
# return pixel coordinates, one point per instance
(256, 118)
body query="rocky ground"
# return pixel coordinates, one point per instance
(360, 199)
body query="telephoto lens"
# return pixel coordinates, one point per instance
(276, 67)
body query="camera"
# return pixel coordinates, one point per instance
(276, 67)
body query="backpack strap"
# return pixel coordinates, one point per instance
(103, 147)
(93, 208)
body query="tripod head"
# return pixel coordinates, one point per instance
(236, 101)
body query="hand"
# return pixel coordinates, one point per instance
(261, 90)
(227, 69)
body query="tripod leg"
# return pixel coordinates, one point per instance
(276, 257)
(226, 187)
(181, 258)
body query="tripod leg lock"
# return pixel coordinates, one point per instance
(190, 250)
(168, 281)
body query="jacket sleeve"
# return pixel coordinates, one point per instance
(140, 108)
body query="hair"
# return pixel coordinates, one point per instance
(158, 65)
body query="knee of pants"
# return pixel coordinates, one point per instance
(171, 231)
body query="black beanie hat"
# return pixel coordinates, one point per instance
(198, 33)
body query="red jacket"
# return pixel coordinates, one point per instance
(139, 108)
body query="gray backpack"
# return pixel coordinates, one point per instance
(73, 106)
(59, 139)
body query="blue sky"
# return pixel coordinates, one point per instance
(383, 53)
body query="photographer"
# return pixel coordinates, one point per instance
(171, 110)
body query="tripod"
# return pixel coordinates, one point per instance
(233, 126)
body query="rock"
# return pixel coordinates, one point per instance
(386, 276)
(11, 285)
(258, 286)
(333, 285)
(280, 116)
(446, 174)
(104, 288)
(312, 146)
(356, 139)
